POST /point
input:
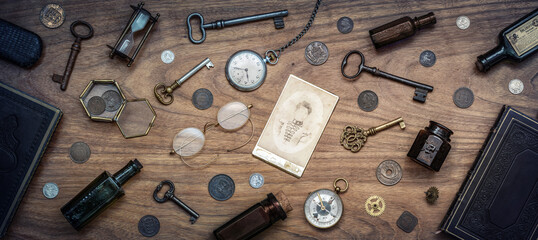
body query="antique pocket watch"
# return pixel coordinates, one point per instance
(324, 208)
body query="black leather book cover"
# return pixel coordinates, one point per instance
(499, 198)
(26, 126)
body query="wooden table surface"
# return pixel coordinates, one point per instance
(456, 51)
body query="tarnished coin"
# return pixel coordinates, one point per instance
(515, 86)
(407, 222)
(463, 97)
(316, 53)
(389, 172)
(344, 25)
(202, 99)
(221, 187)
(79, 152)
(149, 226)
(427, 58)
(50, 190)
(167, 56)
(52, 15)
(367, 101)
(256, 180)
(96, 105)
(113, 100)
(463, 22)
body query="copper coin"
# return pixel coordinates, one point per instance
(463, 97)
(149, 226)
(80, 152)
(52, 15)
(221, 187)
(316, 53)
(344, 25)
(367, 101)
(113, 100)
(96, 105)
(202, 99)
(389, 172)
(407, 222)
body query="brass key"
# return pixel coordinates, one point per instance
(353, 138)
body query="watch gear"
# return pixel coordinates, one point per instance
(432, 194)
(375, 205)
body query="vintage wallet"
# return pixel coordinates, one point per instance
(26, 127)
(499, 198)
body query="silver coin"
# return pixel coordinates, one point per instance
(367, 101)
(50, 190)
(113, 100)
(96, 105)
(463, 22)
(344, 25)
(427, 58)
(221, 187)
(515, 86)
(389, 172)
(167, 56)
(52, 16)
(316, 53)
(202, 99)
(463, 97)
(256, 180)
(79, 152)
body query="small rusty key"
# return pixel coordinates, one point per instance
(170, 195)
(353, 138)
(75, 49)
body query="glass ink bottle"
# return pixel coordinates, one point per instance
(516, 42)
(431, 146)
(101, 193)
(399, 29)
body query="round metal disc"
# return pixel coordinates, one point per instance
(167, 56)
(256, 180)
(52, 16)
(96, 105)
(316, 53)
(221, 187)
(427, 58)
(344, 25)
(50, 190)
(463, 22)
(79, 152)
(233, 115)
(149, 226)
(367, 101)
(188, 142)
(515, 86)
(389, 172)
(463, 97)
(113, 100)
(202, 99)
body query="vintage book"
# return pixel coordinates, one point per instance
(26, 126)
(499, 197)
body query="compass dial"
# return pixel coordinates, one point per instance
(246, 70)
(323, 208)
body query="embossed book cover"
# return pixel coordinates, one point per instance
(26, 126)
(499, 198)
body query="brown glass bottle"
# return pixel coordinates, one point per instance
(399, 29)
(516, 42)
(102, 192)
(255, 219)
(431, 146)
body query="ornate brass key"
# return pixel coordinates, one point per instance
(353, 138)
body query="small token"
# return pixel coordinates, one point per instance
(167, 56)
(79, 152)
(367, 101)
(149, 226)
(515, 86)
(389, 172)
(463, 22)
(344, 25)
(427, 58)
(256, 180)
(113, 100)
(221, 187)
(463, 97)
(52, 15)
(202, 99)
(407, 222)
(50, 190)
(316, 53)
(96, 105)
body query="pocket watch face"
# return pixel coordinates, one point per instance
(323, 208)
(246, 70)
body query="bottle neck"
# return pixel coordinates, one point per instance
(492, 57)
(424, 20)
(127, 172)
(440, 130)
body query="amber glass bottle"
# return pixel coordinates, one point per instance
(102, 192)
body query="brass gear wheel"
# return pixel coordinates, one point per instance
(375, 205)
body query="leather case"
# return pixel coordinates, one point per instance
(26, 126)
(18, 45)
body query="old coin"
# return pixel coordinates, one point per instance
(96, 105)
(427, 58)
(407, 222)
(113, 100)
(167, 56)
(202, 99)
(367, 101)
(149, 226)
(316, 53)
(389, 172)
(344, 25)
(52, 15)
(221, 187)
(463, 22)
(515, 86)
(79, 152)
(256, 180)
(463, 97)
(50, 190)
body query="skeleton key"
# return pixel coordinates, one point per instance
(277, 16)
(353, 138)
(421, 90)
(170, 195)
(75, 49)
(162, 92)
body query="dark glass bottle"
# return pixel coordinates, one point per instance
(255, 219)
(102, 192)
(431, 146)
(516, 42)
(399, 29)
